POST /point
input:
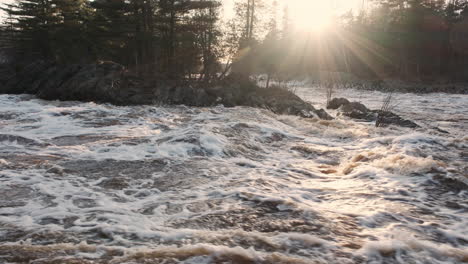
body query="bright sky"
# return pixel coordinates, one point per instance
(302, 11)
(336, 5)
(308, 14)
(2, 14)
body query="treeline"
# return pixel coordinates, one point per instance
(411, 40)
(173, 38)
(418, 40)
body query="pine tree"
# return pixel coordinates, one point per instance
(72, 41)
(112, 29)
(177, 34)
(50, 29)
(34, 24)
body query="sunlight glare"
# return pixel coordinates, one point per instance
(311, 15)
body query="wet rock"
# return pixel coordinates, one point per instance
(336, 103)
(394, 119)
(56, 170)
(357, 110)
(281, 101)
(112, 83)
(117, 183)
(101, 82)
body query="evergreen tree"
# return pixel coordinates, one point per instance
(34, 25)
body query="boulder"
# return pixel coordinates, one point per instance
(357, 110)
(336, 103)
(387, 118)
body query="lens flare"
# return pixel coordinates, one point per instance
(312, 15)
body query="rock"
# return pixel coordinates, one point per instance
(56, 170)
(116, 183)
(357, 110)
(101, 82)
(281, 101)
(354, 107)
(389, 118)
(109, 82)
(336, 103)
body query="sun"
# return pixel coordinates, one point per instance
(312, 15)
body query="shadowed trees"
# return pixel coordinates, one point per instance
(416, 40)
(170, 38)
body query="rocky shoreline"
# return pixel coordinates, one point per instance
(109, 82)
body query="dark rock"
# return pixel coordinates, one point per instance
(354, 107)
(109, 82)
(102, 82)
(394, 119)
(357, 110)
(117, 183)
(336, 103)
(56, 170)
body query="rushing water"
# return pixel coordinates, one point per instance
(89, 183)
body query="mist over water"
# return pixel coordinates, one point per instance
(90, 183)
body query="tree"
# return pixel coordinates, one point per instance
(50, 29)
(174, 21)
(208, 39)
(34, 23)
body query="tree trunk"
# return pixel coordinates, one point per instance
(252, 18)
(171, 65)
(268, 81)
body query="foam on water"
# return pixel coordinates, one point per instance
(88, 182)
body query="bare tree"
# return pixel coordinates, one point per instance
(329, 90)
(387, 106)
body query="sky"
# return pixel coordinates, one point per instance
(337, 5)
(300, 6)
(2, 14)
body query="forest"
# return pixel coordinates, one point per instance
(414, 40)
(234, 131)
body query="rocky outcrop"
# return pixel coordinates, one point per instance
(111, 83)
(359, 111)
(103, 82)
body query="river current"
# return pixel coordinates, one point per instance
(96, 183)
